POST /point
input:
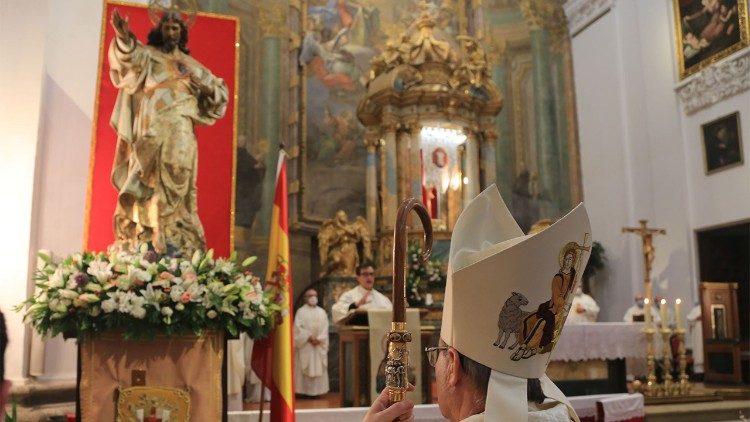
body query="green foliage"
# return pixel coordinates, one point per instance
(597, 262)
(420, 274)
(13, 417)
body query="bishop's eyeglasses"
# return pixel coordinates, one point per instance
(432, 353)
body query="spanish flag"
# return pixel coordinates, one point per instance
(273, 357)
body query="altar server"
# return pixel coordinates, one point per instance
(583, 309)
(311, 347)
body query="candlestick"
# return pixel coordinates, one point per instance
(647, 311)
(678, 313)
(663, 311)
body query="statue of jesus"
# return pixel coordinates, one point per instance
(163, 93)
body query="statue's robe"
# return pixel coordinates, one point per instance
(156, 158)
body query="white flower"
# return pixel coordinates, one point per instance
(93, 287)
(150, 267)
(101, 270)
(68, 294)
(138, 274)
(224, 266)
(196, 258)
(138, 313)
(109, 305)
(175, 293)
(166, 311)
(77, 259)
(56, 280)
(186, 266)
(152, 297)
(89, 298)
(211, 314)
(179, 307)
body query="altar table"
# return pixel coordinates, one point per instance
(590, 358)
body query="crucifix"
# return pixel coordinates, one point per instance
(647, 237)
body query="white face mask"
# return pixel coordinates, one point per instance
(312, 300)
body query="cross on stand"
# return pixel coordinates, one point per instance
(647, 237)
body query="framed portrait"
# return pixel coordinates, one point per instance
(707, 31)
(722, 143)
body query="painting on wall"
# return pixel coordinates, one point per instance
(340, 38)
(708, 30)
(722, 143)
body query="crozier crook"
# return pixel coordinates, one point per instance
(398, 353)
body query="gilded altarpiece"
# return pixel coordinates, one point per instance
(303, 65)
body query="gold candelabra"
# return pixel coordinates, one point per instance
(668, 387)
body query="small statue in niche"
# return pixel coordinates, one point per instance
(337, 243)
(472, 69)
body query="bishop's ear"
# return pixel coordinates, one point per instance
(454, 371)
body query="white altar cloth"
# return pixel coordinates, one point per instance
(616, 405)
(600, 340)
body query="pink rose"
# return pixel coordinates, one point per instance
(190, 277)
(185, 297)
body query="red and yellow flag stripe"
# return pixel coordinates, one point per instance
(273, 357)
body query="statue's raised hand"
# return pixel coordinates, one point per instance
(120, 25)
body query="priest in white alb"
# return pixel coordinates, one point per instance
(311, 347)
(583, 309)
(362, 297)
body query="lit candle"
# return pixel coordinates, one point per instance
(663, 311)
(647, 311)
(677, 313)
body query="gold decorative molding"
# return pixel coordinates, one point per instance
(295, 41)
(293, 117)
(292, 152)
(496, 48)
(272, 21)
(294, 187)
(294, 80)
(545, 14)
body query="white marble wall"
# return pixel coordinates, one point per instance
(641, 151)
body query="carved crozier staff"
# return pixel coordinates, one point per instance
(398, 353)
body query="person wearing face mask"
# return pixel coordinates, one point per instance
(635, 312)
(583, 309)
(311, 347)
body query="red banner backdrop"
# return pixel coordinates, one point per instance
(213, 41)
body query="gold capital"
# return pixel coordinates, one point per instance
(273, 21)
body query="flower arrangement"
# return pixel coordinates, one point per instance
(420, 274)
(144, 294)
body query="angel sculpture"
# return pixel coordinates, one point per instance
(337, 243)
